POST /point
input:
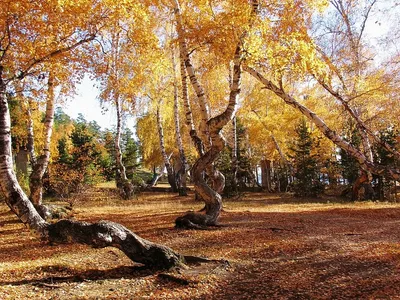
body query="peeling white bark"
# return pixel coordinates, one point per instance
(40, 166)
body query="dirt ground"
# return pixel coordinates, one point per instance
(276, 247)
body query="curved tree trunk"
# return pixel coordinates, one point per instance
(217, 177)
(98, 235)
(167, 163)
(211, 197)
(41, 163)
(329, 133)
(213, 126)
(122, 182)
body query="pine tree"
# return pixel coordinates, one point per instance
(349, 166)
(130, 152)
(385, 158)
(305, 162)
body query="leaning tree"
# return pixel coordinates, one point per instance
(22, 56)
(300, 60)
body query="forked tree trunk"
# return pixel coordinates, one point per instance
(167, 163)
(213, 127)
(217, 177)
(213, 199)
(329, 133)
(99, 235)
(42, 161)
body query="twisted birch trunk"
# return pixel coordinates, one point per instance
(98, 235)
(329, 133)
(213, 199)
(217, 177)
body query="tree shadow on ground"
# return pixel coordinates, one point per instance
(63, 274)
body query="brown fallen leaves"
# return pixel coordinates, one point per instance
(277, 248)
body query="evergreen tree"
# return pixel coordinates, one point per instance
(349, 165)
(384, 157)
(305, 163)
(63, 155)
(130, 152)
(108, 163)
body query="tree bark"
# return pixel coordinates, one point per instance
(217, 177)
(213, 199)
(30, 146)
(167, 163)
(329, 133)
(40, 166)
(213, 126)
(98, 235)
(266, 175)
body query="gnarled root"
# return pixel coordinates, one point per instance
(109, 234)
(194, 221)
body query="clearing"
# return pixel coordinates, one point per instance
(277, 247)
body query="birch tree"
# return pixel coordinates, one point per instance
(210, 127)
(21, 56)
(298, 59)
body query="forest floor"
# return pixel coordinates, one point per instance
(277, 247)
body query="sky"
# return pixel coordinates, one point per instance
(86, 102)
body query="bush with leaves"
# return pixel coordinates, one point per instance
(79, 161)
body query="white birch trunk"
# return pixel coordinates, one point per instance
(31, 135)
(122, 181)
(217, 177)
(99, 235)
(40, 167)
(204, 109)
(362, 126)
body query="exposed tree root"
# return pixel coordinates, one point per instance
(194, 220)
(109, 234)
